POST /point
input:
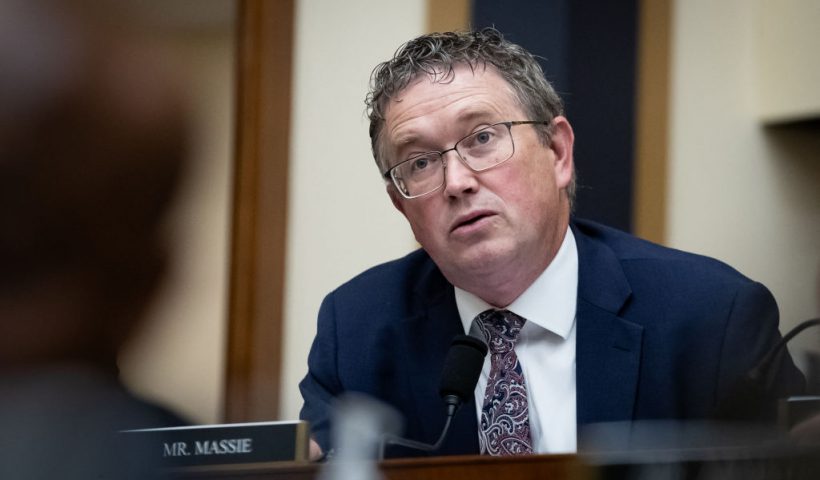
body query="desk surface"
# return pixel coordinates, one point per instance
(800, 463)
(469, 467)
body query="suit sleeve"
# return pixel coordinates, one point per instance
(321, 384)
(751, 332)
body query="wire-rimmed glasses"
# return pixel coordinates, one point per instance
(479, 151)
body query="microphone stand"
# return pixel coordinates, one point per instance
(462, 367)
(761, 369)
(453, 403)
(751, 397)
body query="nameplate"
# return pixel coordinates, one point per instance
(225, 444)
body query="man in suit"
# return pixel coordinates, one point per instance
(585, 324)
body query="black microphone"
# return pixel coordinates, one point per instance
(462, 367)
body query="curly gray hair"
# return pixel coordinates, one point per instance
(437, 54)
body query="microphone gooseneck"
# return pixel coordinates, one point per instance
(462, 367)
(762, 371)
(752, 396)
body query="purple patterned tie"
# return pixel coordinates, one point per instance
(505, 422)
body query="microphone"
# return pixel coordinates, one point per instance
(462, 367)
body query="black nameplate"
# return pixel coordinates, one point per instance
(261, 442)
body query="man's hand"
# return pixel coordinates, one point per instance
(315, 451)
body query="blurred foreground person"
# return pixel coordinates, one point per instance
(91, 150)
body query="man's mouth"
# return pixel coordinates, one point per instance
(470, 219)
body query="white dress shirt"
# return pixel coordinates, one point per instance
(545, 349)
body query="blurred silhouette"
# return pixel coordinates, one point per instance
(92, 142)
(360, 426)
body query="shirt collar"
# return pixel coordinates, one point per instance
(549, 302)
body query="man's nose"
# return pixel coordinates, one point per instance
(458, 177)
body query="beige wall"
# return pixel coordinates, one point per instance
(340, 218)
(787, 35)
(738, 191)
(178, 357)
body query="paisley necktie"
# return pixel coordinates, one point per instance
(505, 424)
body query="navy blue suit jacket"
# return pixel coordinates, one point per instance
(661, 334)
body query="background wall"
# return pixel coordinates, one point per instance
(738, 190)
(179, 355)
(340, 219)
(588, 51)
(786, 37)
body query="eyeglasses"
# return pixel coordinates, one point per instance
(482, 150)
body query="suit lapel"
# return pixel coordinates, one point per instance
(608, 348)
(428, 334)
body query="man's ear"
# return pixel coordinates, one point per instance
(561, 143)
(396, 198)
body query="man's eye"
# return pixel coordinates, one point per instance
(420, 163)
(483, 137)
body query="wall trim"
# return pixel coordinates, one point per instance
(652, 120)
(257, 269)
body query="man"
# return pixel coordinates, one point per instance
(586, 324)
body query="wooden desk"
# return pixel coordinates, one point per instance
(796, 463)
(471, 467)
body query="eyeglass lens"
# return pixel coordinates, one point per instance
(479, 151)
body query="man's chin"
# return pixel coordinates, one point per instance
(476, 261)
